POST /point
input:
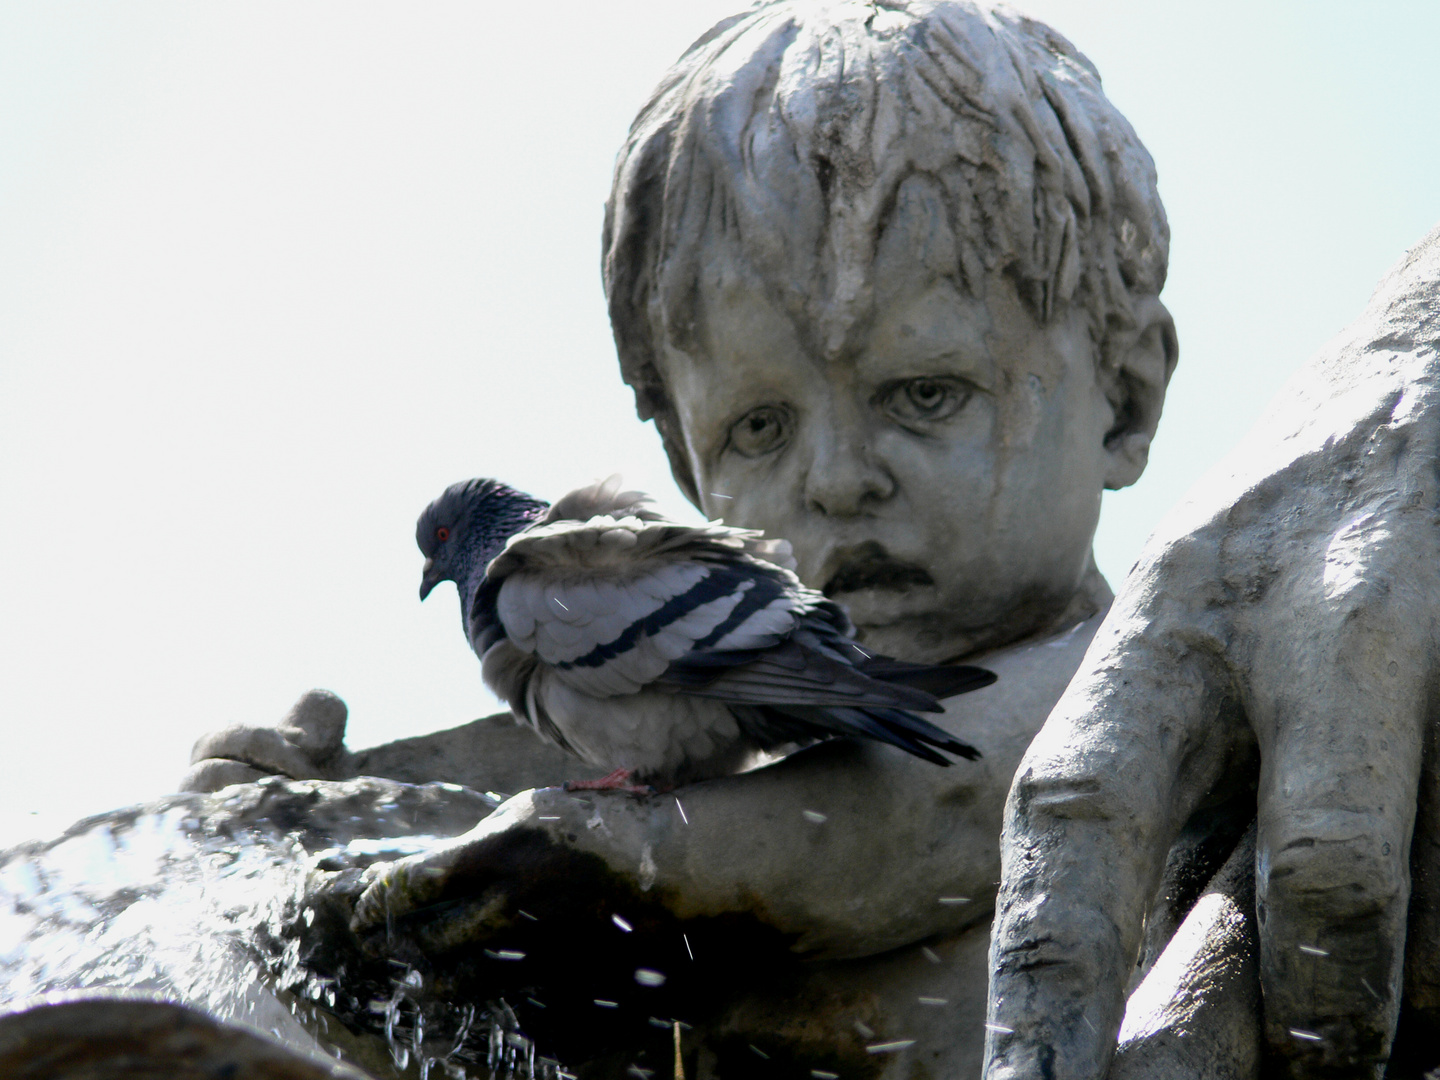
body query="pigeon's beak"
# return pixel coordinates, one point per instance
(430, 579)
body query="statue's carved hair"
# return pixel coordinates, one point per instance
(797, 130)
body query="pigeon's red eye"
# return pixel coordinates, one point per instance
(442, 534)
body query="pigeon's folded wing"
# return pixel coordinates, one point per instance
(615, 606)
(789, 673)
(610, 604)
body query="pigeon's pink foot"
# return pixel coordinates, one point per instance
(619, 780)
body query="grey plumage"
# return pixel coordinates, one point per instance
(673, 652)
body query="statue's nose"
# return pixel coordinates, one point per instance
(845, 478)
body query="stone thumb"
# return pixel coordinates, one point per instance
(316, 723)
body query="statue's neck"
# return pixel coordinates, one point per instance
(1093, 597)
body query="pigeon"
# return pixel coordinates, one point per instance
(665, 652)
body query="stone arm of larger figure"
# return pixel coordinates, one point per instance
(1286, 614)
(844, 850)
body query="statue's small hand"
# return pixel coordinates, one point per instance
(1281, 630)
(309, 744)
(485, 881)
(394, 891)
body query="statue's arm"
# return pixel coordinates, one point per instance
(845, 849)
(490, 754)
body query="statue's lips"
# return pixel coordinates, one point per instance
(869, 566)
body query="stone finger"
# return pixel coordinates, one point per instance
(1341, 746)
(316, 723)
(384, 882)
(264, 748)
(1118, 768)
(212, 774)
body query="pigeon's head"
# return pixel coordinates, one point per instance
(461, 531)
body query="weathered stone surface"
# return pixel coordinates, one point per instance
(265, 749)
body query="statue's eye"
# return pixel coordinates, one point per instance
(442, 534)
(928, 398)
(761, 431)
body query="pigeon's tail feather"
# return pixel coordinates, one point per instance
(893, 726)
(908, 726)
(772, 725)
(939, 682)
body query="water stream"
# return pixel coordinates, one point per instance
(194, 899)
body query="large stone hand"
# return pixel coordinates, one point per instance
(1288, 610)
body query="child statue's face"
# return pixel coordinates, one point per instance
(940, 474)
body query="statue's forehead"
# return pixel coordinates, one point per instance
(749, 344)
(851, 285)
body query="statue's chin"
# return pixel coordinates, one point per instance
(917, 639)
(880, 608)
(924, 638)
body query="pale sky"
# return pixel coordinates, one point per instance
(273, 274)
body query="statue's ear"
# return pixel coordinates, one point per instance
(1135, 370)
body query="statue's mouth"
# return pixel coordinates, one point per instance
(870, 566)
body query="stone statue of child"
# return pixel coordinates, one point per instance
(886, 277)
